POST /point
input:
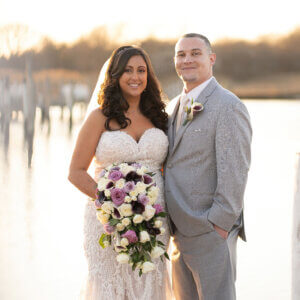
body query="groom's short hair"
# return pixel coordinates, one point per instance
(200, 36)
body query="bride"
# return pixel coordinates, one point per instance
(128, 126)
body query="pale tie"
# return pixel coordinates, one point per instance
(183, 102)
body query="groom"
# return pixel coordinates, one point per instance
(205, 176)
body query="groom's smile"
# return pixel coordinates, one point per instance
(193, 61)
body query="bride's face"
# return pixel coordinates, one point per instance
(134, 79)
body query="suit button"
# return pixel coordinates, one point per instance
(170, 165)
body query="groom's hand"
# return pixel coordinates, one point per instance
(223, 233)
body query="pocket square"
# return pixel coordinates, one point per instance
(197, 130)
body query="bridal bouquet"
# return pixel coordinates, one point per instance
(132, 220)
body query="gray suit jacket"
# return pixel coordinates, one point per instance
(207, 165)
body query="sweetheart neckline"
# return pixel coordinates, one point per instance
(141, 137)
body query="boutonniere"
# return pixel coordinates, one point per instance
(191, 111)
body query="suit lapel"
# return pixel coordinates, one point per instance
(202, 98)
(171, 132)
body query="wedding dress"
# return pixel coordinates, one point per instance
(107, 279)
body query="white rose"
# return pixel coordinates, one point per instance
(107, 193)
(133, 193)
(107, 207)
(125, 169)
(106, 244)
(158, 223)
(126, 221)
(157, 252)
(162, 230)
(120, 227)
(102, 183)
(148, 267)
(125, 210)
(124, 242)
(102, 217)
(120, 183)
(149, 212)
(144, 236)
(140, 187)
(138, 219)
(123, 258)
(127, 199)
(133, 198)
(142, 170)
(152, 200)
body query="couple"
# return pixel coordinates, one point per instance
(206, 156)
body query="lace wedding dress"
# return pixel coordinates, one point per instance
(107, 279)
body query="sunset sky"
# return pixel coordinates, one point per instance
(67, 20)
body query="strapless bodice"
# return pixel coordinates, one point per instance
(119, 146)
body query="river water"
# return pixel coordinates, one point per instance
(41, 213)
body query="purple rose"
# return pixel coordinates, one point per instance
(108, 228)
(117, 196)
(136, 165)
(147, 179)
(143, 199)
(116, 168)
(102, 173)
(129, 186)
(158, 208)
(131, 236)
(115, 175)
(98, 204)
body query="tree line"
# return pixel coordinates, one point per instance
(237, 60)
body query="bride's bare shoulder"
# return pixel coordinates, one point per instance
(96, 119)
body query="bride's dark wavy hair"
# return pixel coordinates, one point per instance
(113, 103)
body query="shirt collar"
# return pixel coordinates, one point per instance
(195, 92)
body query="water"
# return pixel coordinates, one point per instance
(41, 213)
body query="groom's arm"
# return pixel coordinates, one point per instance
(232, 142)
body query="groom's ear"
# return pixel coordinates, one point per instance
(212, 58)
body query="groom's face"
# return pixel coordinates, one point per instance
(193, 61)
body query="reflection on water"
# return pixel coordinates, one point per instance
(41, 214)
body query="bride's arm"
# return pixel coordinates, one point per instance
(84, 152)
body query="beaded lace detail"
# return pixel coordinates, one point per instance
(107, 279)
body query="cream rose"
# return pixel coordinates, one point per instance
(162, 230)
(142, 170)
(127, 199)
(158, 223)
(107, 193)
(149, 212)
(102, 183)
(138, 219)
(157, 252)
(106, 244)
(120, 183)
(125, 169)
(126, 221)
(126, 210)
(144, 236)
(102, 217)
(120, 227)
(148, 267)
(124, 242)
(140, 187)
(123, 258)
(133, 193)
(107, 207)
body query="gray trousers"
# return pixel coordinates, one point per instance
(204, 267)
